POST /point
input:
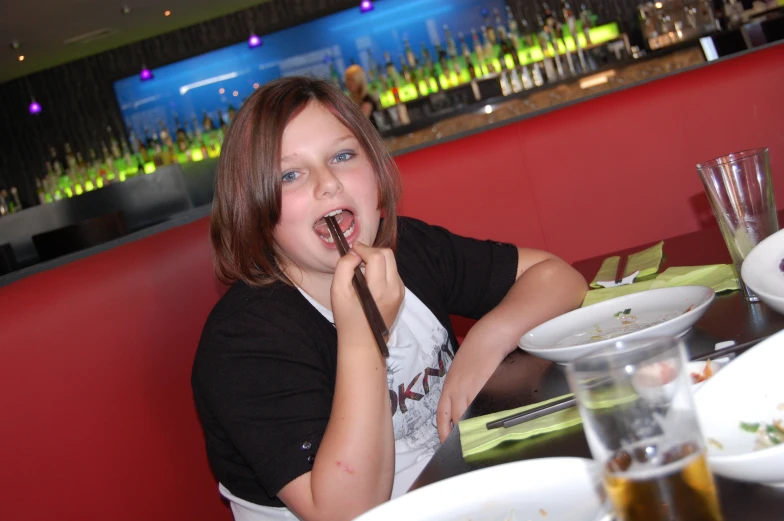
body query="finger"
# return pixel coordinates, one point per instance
(458, 409)
(375, 264)
(444, 417)
(392, 275)
(344, 271)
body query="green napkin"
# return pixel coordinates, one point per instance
(647, 261)
(476, 438)
(720, 277)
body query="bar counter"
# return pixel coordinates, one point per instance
(494, 112)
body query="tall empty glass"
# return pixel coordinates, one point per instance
(740, 191)
(639, 418)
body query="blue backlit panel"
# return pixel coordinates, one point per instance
(212, 81)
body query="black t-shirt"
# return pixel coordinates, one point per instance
(264, 372)
(369, 99)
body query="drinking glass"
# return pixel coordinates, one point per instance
(740, 192)
(638, 413)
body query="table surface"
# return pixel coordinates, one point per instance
(523, 379)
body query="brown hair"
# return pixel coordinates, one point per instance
(247, 202)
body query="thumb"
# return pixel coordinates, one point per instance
(444, 417)
(344, 270)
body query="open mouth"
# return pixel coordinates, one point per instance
(345, 220)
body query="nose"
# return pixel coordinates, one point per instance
(327, 183)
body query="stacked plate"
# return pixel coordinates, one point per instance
(762, 271)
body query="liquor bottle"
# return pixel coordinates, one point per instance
(549, 19)
(39, 191)
(405, 72)
(206, 122)
(133, 141)
(509, 59)
(478, 50)
(451, 48)
(4, 208)
(487, 49)
(231, 112)
(410, 56)
(571, 22)
(372, 67)
(489, 32)
(544, 41)
(15, 198)
(527, 33)
(587, 23)
(57, 166)
(442, 62)
(514, 29)
(391, 71)
(466, 53)
(559, 37)
(566, 10)
(114, 146)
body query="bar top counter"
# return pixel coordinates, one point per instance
(496, 112)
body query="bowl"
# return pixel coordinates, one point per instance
(646, 314)
(762, 273)
(748, 390)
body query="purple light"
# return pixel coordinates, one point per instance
(145, 74)
(254, 41)
(365, 6)
(35, 107)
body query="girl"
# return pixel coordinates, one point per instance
(302, 415)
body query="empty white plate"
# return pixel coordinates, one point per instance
(651, 313)
(748, 390)
(563, 489)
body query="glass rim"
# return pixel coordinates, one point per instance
(732, 157)
(624, 352)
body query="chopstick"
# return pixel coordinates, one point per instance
(570, 401)
(622, 260)
(369, 306)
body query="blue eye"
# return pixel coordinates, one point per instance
(344, 156)
(289, 177)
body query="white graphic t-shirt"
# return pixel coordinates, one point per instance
(420, 354)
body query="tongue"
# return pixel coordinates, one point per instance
(344, 220)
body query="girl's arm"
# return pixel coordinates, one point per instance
(545, 287)
(355, 464)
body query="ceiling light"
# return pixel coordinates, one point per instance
(145, 74)
(166, 13)
(35, 107)
(365, 6)
(221, 90)
(255, 85)
(125, 9)
(21, 57)
(235, 93)
(254, 41)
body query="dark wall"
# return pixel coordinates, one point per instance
(78, 100)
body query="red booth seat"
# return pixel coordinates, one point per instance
(95, 356)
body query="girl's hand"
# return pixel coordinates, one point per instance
(470, 370)
(383, 281)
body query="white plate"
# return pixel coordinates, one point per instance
(760, 271)
(655, 312)
(521, 491)
(749, 389)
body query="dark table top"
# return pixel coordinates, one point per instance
(523, 379)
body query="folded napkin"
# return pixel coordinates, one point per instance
(646, 262)
(720, 277)
(476, 438)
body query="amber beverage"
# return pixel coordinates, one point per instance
(680, 490)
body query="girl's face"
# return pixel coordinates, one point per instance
(324, 170)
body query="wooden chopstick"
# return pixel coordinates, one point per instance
(570, 401)
(621, 268)
(369, 306)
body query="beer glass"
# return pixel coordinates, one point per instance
(638, 413)
(740, 191)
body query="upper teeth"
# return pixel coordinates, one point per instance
(332, 213)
